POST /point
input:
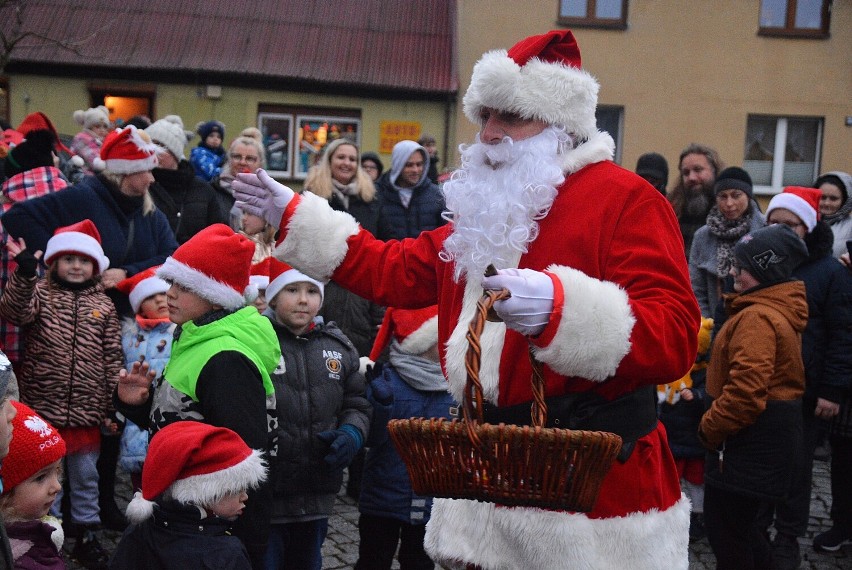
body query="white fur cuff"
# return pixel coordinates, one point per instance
(594, 333)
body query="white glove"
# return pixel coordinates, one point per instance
(528, 309)
(258, 194)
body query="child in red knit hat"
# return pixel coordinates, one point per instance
(193, 488)
(32, 479)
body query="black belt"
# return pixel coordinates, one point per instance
(631, 416)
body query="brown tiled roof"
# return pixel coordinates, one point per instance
(404, 46)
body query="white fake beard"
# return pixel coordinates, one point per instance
(495, 199)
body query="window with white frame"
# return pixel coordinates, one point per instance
(782, 151)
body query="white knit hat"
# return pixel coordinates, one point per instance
(281, 275)
(169, 132)
(195, 463)
(92, 116)
(81, 238)
(538, 78)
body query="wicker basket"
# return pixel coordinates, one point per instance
(529, 466)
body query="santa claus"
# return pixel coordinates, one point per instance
(593, 257)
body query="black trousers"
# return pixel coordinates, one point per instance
(379, 539)
(841, 481)
(731, 521)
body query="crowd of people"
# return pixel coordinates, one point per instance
(234, 346)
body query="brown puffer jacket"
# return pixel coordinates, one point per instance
(73, 349)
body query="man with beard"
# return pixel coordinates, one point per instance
(693, 196)
(594, 261)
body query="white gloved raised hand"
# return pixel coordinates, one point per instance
(258, 194)
(528, 309)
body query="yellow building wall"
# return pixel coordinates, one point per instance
(237, 108)
(687, 72)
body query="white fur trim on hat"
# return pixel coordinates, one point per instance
(78, 243)
(422, 339)
(495, 537)
(555, 93)
(288, 277)
(203, 490)
(795, 204)
(125, 166)
(201, 284)
(144, 289)
(317, 235)
(259, 281)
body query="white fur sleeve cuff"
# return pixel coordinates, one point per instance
(317, 235)
(593, 335)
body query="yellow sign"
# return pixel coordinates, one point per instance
(391, 132)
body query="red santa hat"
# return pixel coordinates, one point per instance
(416, 330)
(38, 121)
(81, 238)
(35, 445)
(214, 264)
(141, 286)
(195, 463)
(281, 275)
(804, 202)
(538, 78)
(259, 277)
(128, 151)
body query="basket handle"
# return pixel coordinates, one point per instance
(473, 400)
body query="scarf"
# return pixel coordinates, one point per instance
(727, 233)
(840, 215)
(343, 191)
(418, 372)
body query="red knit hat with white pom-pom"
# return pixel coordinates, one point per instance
(214, 264)
(128, 151)
(82, 238)
(416, 330)
(195, 463)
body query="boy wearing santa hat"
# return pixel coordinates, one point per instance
(72, 360)
(323, 417)
(147, 337)
(593, 258)
(827, 356)
(194, 487)
(221, 361)
(410, 384)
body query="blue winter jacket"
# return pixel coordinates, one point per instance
(386, 487)
(151, 243)
(207, 163)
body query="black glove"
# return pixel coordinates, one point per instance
(27, 263)
(344, 443)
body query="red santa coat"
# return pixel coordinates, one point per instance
(624, 316)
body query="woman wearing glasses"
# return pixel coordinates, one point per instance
(246, 154)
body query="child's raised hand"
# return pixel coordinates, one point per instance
(16, 246)
(134, 386)
(687, 395)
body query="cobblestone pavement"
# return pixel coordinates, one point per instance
(341, 547)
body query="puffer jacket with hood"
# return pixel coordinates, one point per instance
(756, 379)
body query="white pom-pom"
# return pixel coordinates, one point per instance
(98, 164)
(364, 362)
(78, 161)
(139, 509)
(251, 293)
(80, 116)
